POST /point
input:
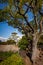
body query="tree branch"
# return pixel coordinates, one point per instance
(40, 12)
(27, 21)
(28, 6)
(35, 18)
(26, 11)
(33, 12)
(23, 17)
(28, 24)
(40, 25)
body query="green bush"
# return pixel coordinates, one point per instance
(5, 55)
(23, 43)
(15, 59)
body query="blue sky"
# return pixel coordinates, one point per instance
(3, 5)
(5, 30)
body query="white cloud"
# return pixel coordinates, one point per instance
(3, 39)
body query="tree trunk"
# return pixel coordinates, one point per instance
(35, 52)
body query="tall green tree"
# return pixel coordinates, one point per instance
(16, 14)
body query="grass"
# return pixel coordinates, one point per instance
(5, 55)
(14, 59)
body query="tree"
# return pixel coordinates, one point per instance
(16, 12)
(10, 42)
(14, 36)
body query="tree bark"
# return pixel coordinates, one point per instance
(40, 25)
(35, 52)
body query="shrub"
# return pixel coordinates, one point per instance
(5, 55)
(23, 43)
(15, 59)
